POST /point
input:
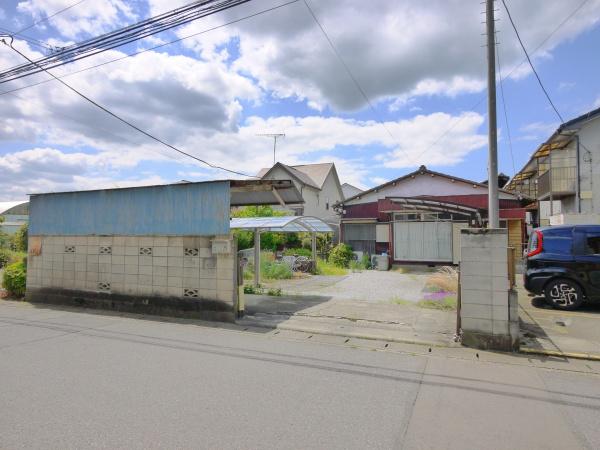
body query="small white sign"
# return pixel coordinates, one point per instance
(221, 247)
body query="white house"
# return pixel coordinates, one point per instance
(318, 183)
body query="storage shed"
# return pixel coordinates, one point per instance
(162, 249)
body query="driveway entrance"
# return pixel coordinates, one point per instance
(387, 305)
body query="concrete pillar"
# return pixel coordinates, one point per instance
(256, 257)
(488, 313)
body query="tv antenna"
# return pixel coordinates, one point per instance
(275, 136)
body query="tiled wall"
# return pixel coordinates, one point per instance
(153, 266)
(485, 293)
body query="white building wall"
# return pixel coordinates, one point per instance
(589, 167)
(318, 203)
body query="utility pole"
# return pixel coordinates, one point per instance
(275, 136)
(493, 205)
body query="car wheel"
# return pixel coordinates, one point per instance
(564, 294)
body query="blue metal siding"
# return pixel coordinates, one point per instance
(196, 209)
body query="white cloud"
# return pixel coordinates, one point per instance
(90, 18)
(394, 49)
(537, 131)
(308, 139)
(48, 169)
(597, 102)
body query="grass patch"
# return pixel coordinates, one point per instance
(447, 303)
(329, 269)
(259, 290)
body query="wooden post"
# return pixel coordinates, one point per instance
(256, 257)
(511, 267)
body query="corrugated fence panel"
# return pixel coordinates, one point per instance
(198, 209)
(359, 231)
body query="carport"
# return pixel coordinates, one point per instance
(284, 224)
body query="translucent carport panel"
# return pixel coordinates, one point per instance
(284, 224)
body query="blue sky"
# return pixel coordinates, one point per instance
(421, 65)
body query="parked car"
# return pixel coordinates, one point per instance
(563, 263)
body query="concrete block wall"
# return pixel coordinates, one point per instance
(485, 312)
(160, 274)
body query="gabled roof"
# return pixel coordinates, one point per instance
(313, 175)
(421, 171)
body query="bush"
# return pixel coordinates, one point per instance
(444, 280)
(341, 255)
(14, 279)
(275, 271)
(8, 256)
(298, 252)
(366, 261)
(328, 269)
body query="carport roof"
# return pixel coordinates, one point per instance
(281, 224)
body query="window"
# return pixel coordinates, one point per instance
(592, 243)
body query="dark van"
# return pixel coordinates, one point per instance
(563, 263)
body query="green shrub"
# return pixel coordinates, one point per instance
(298, 252)
(4, 257)
(15, 276)
(8, 256)
(365, 261)
(341, 255)
(328, 269)
(275, 271)
(355, 266)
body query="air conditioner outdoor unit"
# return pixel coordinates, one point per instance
(380, 262)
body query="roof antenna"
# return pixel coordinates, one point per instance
(275, 136)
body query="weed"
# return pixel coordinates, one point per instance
(447, 303)
(445, 279)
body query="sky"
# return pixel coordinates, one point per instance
(421, 65)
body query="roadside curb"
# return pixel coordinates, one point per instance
(352, 334)
(573, 355)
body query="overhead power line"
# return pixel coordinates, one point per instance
(353, 78)
(37, 42)
(164, 44)
(510, 146)
(119, 118)
(122, 36)
(531, 63)
(44, 19)
(457, 121)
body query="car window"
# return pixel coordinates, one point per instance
(592, 243)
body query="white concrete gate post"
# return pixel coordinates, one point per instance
(488, 313)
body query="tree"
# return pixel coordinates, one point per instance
(4, 238)
(268, 241)
(20, 238)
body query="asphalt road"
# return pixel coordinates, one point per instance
(80, 380)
